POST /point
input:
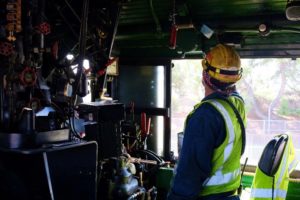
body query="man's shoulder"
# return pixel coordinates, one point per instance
(206, 109)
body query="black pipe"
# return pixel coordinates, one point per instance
(111, 37)
(40, 38)
(93, 87)
(1, 103)
(27, 27)
(72, 10)
(82, 46)
(167, 118)
(83, 32)
(66, 21)
(11, 107)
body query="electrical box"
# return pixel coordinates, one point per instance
(103, 124)
(62, 171)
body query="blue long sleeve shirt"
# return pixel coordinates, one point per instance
(204, 131)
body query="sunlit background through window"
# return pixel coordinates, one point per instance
(270, 88)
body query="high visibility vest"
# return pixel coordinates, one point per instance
(275, 187)
(225, 174)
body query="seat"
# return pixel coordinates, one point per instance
(272, 155)
(271, 178)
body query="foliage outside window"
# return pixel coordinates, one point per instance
(270, 88)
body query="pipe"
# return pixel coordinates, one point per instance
(185, 26)
(82, 46)
(41, 36)
(272, 29)
(66, 21)
(116, 23)
(152, 193)
(27, 30)
(139, 36)
(141, 192)
(139, 160)
(288, 29)
(1, 102)
(83, 30)
(73, 11)
(155, 18)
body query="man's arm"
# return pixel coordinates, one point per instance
(203, 133)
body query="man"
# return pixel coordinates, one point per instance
(214, 135)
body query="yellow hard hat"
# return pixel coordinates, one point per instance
(223, 63)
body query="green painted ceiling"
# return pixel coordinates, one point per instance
(144, 28)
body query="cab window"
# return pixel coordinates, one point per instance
(270, 88)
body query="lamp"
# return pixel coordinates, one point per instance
(264, 29)
(292, 10)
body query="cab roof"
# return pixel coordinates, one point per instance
(257, 28)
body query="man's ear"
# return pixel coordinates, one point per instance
(203, 82)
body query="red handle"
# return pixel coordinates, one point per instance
(173, 37)
(143, 124)
(148, 126)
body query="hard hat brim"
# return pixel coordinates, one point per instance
(223, 77)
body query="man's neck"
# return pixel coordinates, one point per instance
(208, 91)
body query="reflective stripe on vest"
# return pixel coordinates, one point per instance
(267, 193)
(293, 165)
(229, 124)
(218, 178)
(284, 168)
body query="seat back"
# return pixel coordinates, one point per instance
(271, 157)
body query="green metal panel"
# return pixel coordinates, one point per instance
(141, 11)
(144, 26)
(235, 8)
(164, 178)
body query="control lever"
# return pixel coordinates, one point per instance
(240, 189)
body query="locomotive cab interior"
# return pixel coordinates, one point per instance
(86, 88)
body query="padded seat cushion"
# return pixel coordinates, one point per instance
(272, 155)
